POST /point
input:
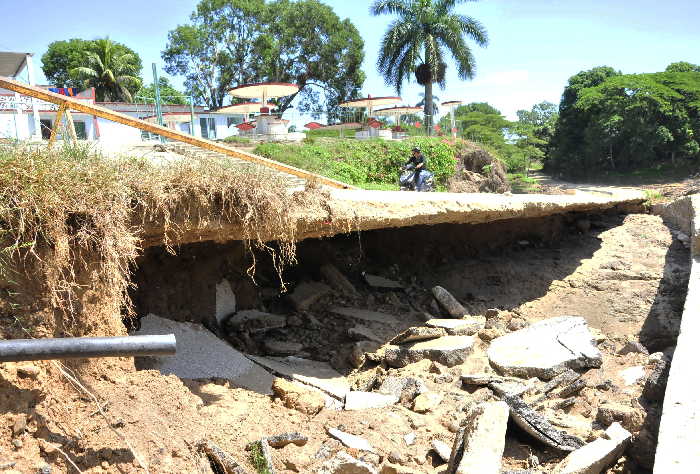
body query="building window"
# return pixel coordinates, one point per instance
(80, 130)
(45, 128)
(208, 128)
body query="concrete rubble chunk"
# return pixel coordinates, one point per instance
(363, 332)
(567, 377)
(389, 468)
(538, 427)
(277, 347)
(448, 302)
(418, 333)
(358, 400)
(362, 350)
(364, 315)
(545, 349)
(307, 293)
(655, 385)
(514, 387)
(596, 456)
(632, 375)
(253, 320)
(376, 281)
(311, 372)
(202, 355)
(351, 441)
(337, 280)
(426, 402)
(459, 327)
(629, 417)
(633, 347)
(410, 439)
(343, 463)
(447, 350)
(282, 440)
(442, 449)
(479, 445)
(405, 388)
(298, 397)
(225, 301)
(223, 461)
(485, 379)
(571, 389)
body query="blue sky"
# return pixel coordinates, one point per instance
(535, 45)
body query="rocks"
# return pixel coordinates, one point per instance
(442, 449)
(426, 402)
(19, 425)
(337, 280)
(202, 355)
(364, 314)
(655, 386)
(389, 468)
(357, 400)
(297, 397)
(28, 371)
(516, 324)
(311, 372)
(478, 447)
(277, 347)
(448, 302)
(459, 327)
(351, 441)
(545, 348)
(360, 351)
(632, 375)
(537, 426)
(490, 334)
(404, 388)
(630, 418)
(343, 463)
(376, 281)
(225, 301)
(572, 389)
(307, 293)
(566, 377)
(282, 440)
(254, 321)
(410, 439)
(596, 456)
(485, 379)
(448, 350)
(633, 347)
(491, 313)
(418, 333)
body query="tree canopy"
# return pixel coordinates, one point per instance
(233, 42)
(64, 56)
(168, 93)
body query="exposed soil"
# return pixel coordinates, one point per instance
(626, 275)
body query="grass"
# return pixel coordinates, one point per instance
(237, 140)
(653, 196)
(257, 458)
(522, 183)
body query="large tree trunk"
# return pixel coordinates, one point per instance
(428, 107)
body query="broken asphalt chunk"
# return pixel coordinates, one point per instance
(447, 350)
(478, 447)
(448, 302)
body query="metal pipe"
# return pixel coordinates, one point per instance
(16, 350)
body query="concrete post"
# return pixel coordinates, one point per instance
(35, 106)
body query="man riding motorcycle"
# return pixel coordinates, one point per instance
(418, 163)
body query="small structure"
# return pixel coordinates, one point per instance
(268, 126)
(452, 104)
(370, 103)
(397, 112)
(18, 125)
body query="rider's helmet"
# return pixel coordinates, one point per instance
(415, 149)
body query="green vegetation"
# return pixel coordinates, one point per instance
(366, 163)
(168, 93)
(417, 42)
(233, 42)
(120, 65)
(257, 459)
(237, 140)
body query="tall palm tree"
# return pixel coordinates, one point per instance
(416, 42)
(110, 71)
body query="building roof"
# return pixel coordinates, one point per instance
(11, 64)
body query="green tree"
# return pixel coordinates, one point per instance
(537, 124)
(63, 56)
(417, 42)
(111, 71)
(682, 66)
(168, 93)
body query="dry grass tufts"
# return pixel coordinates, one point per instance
(71, 219)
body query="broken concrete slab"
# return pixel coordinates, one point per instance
(202, 355)
(351, 441)
(343, 463)
(225, 301)
(311, 372)
(480, 443)
(357, 400)
(442, 449)
(631, 418)
(596, 456)
(298, 397)
(282, 440)
(448, 302)
(418, 333)
(459, 327)
(253, 320)
(277, 347)
(447, 350)
(376, 281)
(404, 388)
(538, 427)
(426, 402)
(364, 315)
(545, 348)
(632, 375)
(337, 280)
(359, 333)
(307, 293)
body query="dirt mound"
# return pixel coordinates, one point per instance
(478, 171)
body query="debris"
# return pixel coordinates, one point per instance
(363, 332)
(220, 458)
(390, 468)
(442, 449)
(632, 375)
(631, 418)
(357, 400)
(655, 386)
(448, 350)
(225, 301)
(404, 388)
(307, 293)
(361, 350)
(567, 377)
(364, 314)
(337, 280)
(516, 324)
(596, 456)
(479, 445)
(485, 379)
(418, 333)
(381, 282)
(426, 402)
(252, 320)
(202, 355)
(282, 440)
(537, 426)
(569, 390)
(351, 441)
(277, 347)
(633, 347)
(459, 327)
(516, 387)
(30, 371)
(490, 334)
(448, 302)
(343, 463)
(545, 348)
(410, 439)
(491, 313)
(297, 397)
(311, 372)
(19, 425)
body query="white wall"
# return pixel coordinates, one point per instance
(113, 132)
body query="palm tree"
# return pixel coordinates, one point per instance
(416, 42)
(110, 71)
(436, 103)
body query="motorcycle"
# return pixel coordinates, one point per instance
(407, 180)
